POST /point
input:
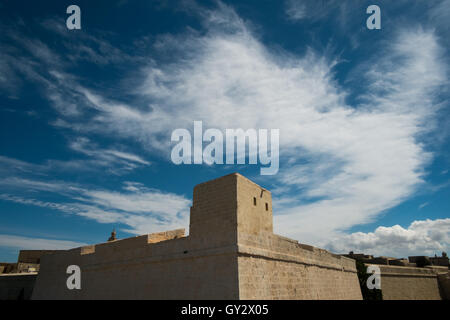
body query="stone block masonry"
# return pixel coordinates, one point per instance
(230, 253)
(17, 286)
(409, 283)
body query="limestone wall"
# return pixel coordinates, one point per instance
(27, 267)
(140, 268)
(444, 285)
(276, 267)
(280, 268)
(261, 278)
(33, 256)
(230, 253)
(7, 267)
(213, 218)
(408, 283)
(16, 286)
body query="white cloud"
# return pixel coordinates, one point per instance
(115, 161)
(295, 10)
(379, 146)
(107, 156)
(155, 201)
(360, 159)
(36, 185)
(141, 209)
(440, 12)
(365, 160)
(425, 237)
(34, 202)
(423, 205)
(10, 166)
(26, 243)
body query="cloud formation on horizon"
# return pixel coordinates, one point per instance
(341, 163)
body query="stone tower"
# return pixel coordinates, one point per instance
(227, 208)
(230, 253)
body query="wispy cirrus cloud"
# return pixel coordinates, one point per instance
(115, 162)
(440, 11)
(423, 205)
(139, 209)
(343, 162)
(123, 160)
(297, 10)
(29, 243)
(91, 47)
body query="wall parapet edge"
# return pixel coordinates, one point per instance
(244, 250)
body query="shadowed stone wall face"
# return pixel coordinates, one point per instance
(136, 269)
(444, 285)
(17, 287)
(33, 256)
(409, 283)
(230, 253)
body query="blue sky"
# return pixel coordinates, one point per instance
(86, 118)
